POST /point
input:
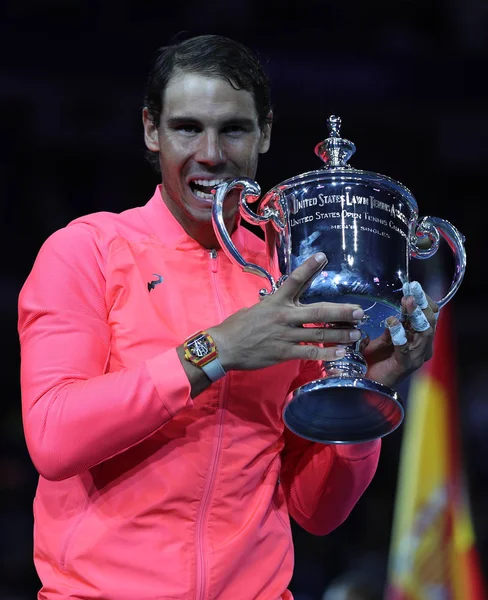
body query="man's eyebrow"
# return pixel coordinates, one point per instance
(245, 121)
(179, 119)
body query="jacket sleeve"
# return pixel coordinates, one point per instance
(75, 414)
(323, 482)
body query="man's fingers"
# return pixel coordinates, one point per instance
(302, 277)
(422, 312)
(314, 352)
(323, 335)
(397, 332)
(318, 312)
(331, 314)
(413, 288)
(418, 321)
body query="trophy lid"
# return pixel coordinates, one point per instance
(335, 151)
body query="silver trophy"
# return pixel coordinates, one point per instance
(367, 224)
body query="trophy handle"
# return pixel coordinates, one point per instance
(432, 228)
(249, 189)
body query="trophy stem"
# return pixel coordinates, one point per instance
(351, 365)
(344, 407)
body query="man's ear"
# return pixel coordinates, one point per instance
(151, 137)
(266, 134)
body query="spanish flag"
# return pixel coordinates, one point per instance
(433, 554)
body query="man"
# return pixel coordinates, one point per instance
(163, 475)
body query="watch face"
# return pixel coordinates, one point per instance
(200, 349)
(200, 346)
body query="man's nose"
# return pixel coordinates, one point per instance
(210, 150)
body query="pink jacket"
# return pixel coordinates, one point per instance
(144, 493)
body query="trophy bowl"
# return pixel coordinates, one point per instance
(368, 226)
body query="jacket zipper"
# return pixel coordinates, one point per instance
(201, 575)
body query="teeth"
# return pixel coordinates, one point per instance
(208, 182)
(201, 194)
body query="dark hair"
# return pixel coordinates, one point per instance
(213, 56)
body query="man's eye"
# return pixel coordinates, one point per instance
(188, 128)
(234, 129)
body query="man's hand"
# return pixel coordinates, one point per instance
(272, 331)
(403, 347)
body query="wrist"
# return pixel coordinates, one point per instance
(389, 378)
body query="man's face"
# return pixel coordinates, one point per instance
(208, 132)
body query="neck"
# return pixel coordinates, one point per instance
(201, 230)
(207, 239)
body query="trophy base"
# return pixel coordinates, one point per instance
(343, 410)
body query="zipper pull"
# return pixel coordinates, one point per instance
(213, 260)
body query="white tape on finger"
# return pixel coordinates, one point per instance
(397, 333)
(418, 320)
(413, 288)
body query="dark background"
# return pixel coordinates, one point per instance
(407, 79)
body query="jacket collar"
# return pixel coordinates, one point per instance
(169, 231)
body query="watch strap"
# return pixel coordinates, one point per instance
(214, 370)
